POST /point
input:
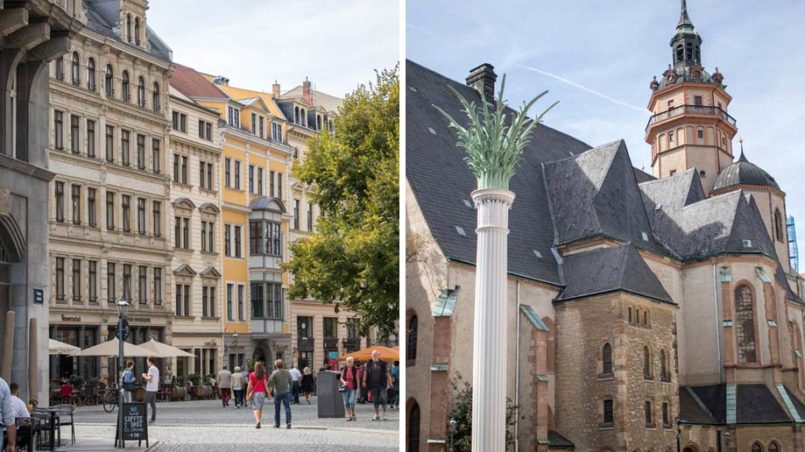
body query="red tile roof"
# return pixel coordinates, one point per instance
(192, 84)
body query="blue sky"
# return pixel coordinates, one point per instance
(337, 44)
(598, 57)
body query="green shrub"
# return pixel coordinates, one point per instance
(461, 412)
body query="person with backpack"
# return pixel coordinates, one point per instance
(258, 388)
(128, 382)
(377, 380)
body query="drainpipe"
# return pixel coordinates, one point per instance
(719, 327)
(517, 372)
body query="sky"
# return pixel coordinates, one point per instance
(337, 44)
(598, 57)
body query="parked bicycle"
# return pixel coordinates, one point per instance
(111, 398)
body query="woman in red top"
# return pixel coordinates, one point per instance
(349, 378)
(258, 382)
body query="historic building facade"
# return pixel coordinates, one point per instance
(194, 223)
(647, 312)
(110, 198)
(36, 32)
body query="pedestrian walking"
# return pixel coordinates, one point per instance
(360, 394)
(128, 382)
(225, 386)
(7, 418)
(245, 374)
(151, 388)
(258, 382)
(349, 384)
(280, 385)
(237, 387)
(394, 396)
(296, 376)
(377, 380)
(307, 384)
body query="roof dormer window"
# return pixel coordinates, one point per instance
(128, 27)
(233, 116)
(137, 30)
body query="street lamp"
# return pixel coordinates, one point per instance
(122, 333)
(452, 424)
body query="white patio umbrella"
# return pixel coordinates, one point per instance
(60, 348)
(112, 348)
(160, 350)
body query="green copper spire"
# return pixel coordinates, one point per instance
(684, 19)
(494, 139)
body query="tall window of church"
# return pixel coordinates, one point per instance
(664, 374)
(757, 447)
(124, 87)
(75, 72)
(91, 74)
(109, 83)
(410, 352)
(774, 447)
(646, 363)
(155, 104)
(648, 414)
(413, 429)
(745, 324)
(666, 416)
(679, 53)
(606, 359)
(141, 91)
(778, 225)
(609, 412)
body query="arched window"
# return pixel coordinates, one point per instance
(606, 358)
(778, 226)
(109, 81)
(91, 74)
(410, 351)
(646, 363)
(124, 87)
(137, 30)
(413, 429)
(60, 68)
(141, 91)
(155, 98)
(774, 447)
(75, 74)
(757, 447)
(296, 115)
(664, 367)
(745, 324)
(128, 28)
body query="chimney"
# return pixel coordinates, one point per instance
(275, 90)
(306, 91)
(482, 78)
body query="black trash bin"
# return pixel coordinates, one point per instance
(330, 402)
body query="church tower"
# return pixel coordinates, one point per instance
(689, 126)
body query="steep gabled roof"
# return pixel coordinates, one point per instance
(595, 193)
(754, 404)
(605, 270)
(442, 182)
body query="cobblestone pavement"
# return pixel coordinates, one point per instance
(206, 426)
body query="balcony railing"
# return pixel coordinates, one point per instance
(352, 344)
(306, 344)
(331, 343)
(692, 109)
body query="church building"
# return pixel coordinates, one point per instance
(647, 312)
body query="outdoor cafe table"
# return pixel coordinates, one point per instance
(53, 417)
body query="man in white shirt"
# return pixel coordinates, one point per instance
(296, 376)
(24, 436)
(7, 418)
(225, 386)
(151, 388)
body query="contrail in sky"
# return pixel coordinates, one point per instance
(583, 88)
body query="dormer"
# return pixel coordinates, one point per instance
(132, 25)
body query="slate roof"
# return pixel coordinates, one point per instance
(566, 192)
(558, 441)
(605, 270)
(442, 182)
(103, 17)
(754, 404)
(744, 172)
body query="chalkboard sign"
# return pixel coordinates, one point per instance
(135, 425)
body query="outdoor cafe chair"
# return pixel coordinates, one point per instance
(63, 411)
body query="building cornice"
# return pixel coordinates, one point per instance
(26, 168)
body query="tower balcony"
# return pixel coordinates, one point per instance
(700, 110)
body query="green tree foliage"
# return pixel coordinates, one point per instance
(461, 412)
(353, 258)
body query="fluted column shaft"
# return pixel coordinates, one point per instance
(490, 327)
